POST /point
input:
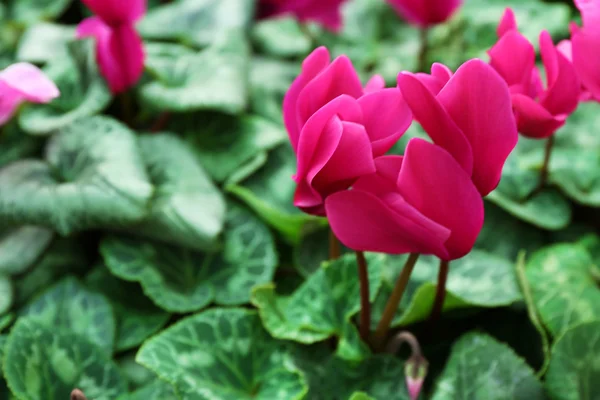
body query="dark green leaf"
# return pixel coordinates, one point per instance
(21, 247)
(158, 390)
(15, 144)
(5, 321)
(6, 294)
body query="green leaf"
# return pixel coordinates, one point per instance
(197, 22)
(281, 37)
(563, 285)
(137, 318)
(94, 178)
(482, 368)
(312, 250)
(574, 372)
(322, 307)
(71, 307)
(83, 91)
(31, 11)
(157, 390)
(44, 41)
(6, 294)
(269, 81)
(15, 145)
(181, 280)
(223, 354)
(4, 392)
(270, 191)
(360, 396)
(225, 144)
(137, 375)
(214, 79)
(21, 247)
(45, 363)
(5, 321)
(187, 208)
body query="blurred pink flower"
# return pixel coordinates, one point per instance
(324, 12)
(539, 111)
(336, 127)
(119, 48)
(425, 13)
(470, 117)
(23, 82)
(585, 42)
(423, 203)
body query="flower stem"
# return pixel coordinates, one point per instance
(440, 291)
(126, 110)
(546, 166)
(161, 122)
(334, 246)
(423, 49)
(365, 305)
(77, 394)
(394, 301)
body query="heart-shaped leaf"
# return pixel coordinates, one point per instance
(21, 247)
(45, 41)
(94, 177)
(281, 37)
(223, 354)
(181, 280)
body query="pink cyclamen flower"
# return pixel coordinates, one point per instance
(23, 82)
(324, 12)
(336, 127)
(119, 48)
(539, 111)
(471, 117)
(423, 203)
(585, 43)
(425, 13)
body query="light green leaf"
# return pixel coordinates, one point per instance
(360, 396)
(21, 247)
(270, 191)
(563, 285)
(322, 307)
(157, 390)
(181, 280)
(482, 368)
(83, 91)
(31, 11)
(94, 177)
(6, 294)
(269, 81)
(574, 372)
(281, 37)
(187, 208)
(71, 307)
(137, 318)
(44, 41)
(215, 78)
(197, 22)
(223, 354)
(45, 363)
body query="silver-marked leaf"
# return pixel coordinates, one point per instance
(322, 307)
(72, 307)
(137, 318)
(482, 368)
(157, 390)
(281, 37)
(270, 191)
(94, 178)
(136, 374)
(44, 41)
(182, 280)
(31, 11)
(270, 79)
(187, 209)
(197, 22)
(564, 287)
(83, 91)
(574, 371)
(223, 354)
(6, 294)
(215, 78)
(21, 247)
(45, 363)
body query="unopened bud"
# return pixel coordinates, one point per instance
(77, 394)
(415, 371)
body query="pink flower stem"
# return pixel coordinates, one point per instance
(423, 49)
(440, 292)
(334, 246)
(393, 302)
(365, 305)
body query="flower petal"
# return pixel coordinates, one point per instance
(508, 23)
(513, 57)
(533, 120)
(586, 59)
(426, 13)
(375, 83)
(436, 185)
(28, 82)
(127, 48)
(117, 12)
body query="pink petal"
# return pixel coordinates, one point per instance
(507, 23)
(325, 12)
(441, 72)
(117, 12)
(383, 181)
(478, 101)
(28, 82)
(316, 62)
(436, 185)
(414, 387)
(533, 120)
(564, 88)
(386, 116)
(590, 13)
(9, 102)
(586, 59)
(428, 111)
(425, 13)
(513, 57)
(375, 83)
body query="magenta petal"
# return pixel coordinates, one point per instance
(383, 181)
(590, 13)
(311, 67)
(586, 59)
(364, 222)
(507, 23)
(428, 111)
(386, 116)
(375, 83)
(426, 13)
(117, 12)
(436, 185)
(479, 102)
(28, 82)
(441, 72)
(513, 57)
(533, 120)
(127, 48)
